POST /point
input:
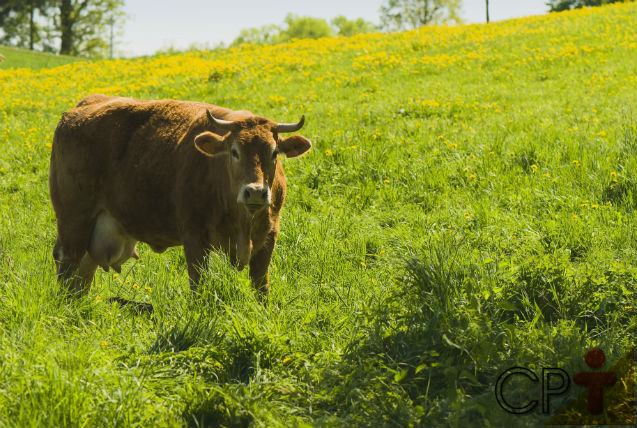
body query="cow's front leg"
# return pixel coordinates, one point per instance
(260, 265)
(195, 250)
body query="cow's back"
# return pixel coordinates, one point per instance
(122, 155)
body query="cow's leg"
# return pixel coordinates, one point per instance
(74, 266)
(260, 265)
(85, 274)
(195, 250)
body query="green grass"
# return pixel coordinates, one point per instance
(468, 206)
(22, 58)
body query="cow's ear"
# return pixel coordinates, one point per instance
(294, 146)
(210, 144)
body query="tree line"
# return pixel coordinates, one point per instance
(67, 27)
(560, 5)
(88, 27)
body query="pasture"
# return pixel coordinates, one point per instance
(468, 205)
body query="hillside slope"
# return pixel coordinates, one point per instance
(468, 206)
(22, 58)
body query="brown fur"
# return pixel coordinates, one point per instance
(134, 166)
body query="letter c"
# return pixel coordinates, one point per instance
(500, 396)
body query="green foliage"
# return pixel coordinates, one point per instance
(20, 26)
(84, 24)
(303, 27)
(410, 14)
(345, 27)
(560, 5)
(265, 35)
(77, 27)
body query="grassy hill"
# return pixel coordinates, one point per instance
(22, 58)
(468, 206)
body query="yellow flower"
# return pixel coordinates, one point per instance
(135, 286)
(576, 162)
(472, 177)
(148, 289)
(534, 166)
(385, 181)
(286, 360)
(602, 133)
(574, 217)
(363, 264)
(104, 343)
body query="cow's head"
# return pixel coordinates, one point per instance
(252, 147)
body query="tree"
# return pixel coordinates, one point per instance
(305, 27)
(265, 35)
(19, 24)
(297, 27)
(80, 27)
(83, 25)
(345, 27)
(560, 5)
(410, 14)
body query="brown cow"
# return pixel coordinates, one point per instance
(166, 173)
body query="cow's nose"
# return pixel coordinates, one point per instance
(256, 194)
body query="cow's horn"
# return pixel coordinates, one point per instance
(290, 127)
(223, 124)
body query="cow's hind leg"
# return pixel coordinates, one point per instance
(75, 268)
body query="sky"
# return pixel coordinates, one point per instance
(153, 25)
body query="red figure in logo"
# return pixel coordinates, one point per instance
(595, 381)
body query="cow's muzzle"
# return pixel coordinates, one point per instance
(254, 197)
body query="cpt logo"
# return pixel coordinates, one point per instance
(556, 381)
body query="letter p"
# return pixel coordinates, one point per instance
(549, 389)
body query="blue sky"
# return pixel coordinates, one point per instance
(159, 24)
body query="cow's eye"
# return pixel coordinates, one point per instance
(235, 154)
(275, 154)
